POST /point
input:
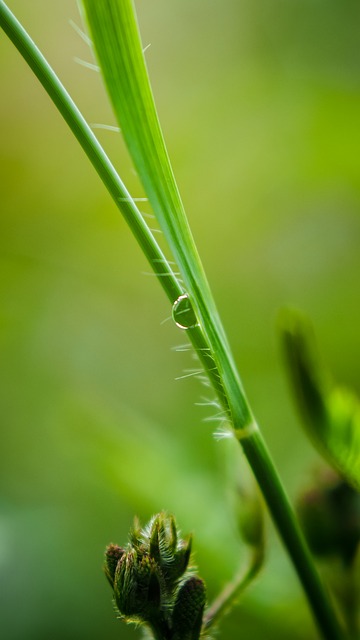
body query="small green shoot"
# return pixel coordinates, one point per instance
(330, 413)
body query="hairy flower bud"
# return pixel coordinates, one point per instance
(188, 610)
(152, 583)
(136, 586)
(113, 554)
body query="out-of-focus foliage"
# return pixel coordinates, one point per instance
(331, 414)
(260, 106)
(329, 510)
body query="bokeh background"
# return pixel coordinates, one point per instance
(260, 105)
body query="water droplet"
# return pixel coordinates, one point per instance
(183, 313)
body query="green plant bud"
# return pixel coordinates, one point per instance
(330, 514)
(173, 534)
(181, 558)
(154, 542)
(113, 554)
(150, 582)
(188, 610)
(167, 535)
(171, 553)
(135, 534)
(137, 586)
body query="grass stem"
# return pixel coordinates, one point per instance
(284, 518)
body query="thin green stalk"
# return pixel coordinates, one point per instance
(112, 181)
(106, 171)
(228, 598)
(210, 343)
(92, 148)
(278, 504)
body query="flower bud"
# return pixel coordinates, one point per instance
(188, 609)
(113, 554)
(136, 586)
(152, 583)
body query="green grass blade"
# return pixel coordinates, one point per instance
(117, 45)
(118, 48)
(123, 200)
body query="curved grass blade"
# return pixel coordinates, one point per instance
(118, 49)
(117, 45)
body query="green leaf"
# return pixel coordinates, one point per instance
(330, 413)
(118, 48)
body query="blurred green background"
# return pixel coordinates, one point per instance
(260, 105)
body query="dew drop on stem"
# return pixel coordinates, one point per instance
(183, 313)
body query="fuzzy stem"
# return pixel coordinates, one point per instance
(109, 176)
(94, 151)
